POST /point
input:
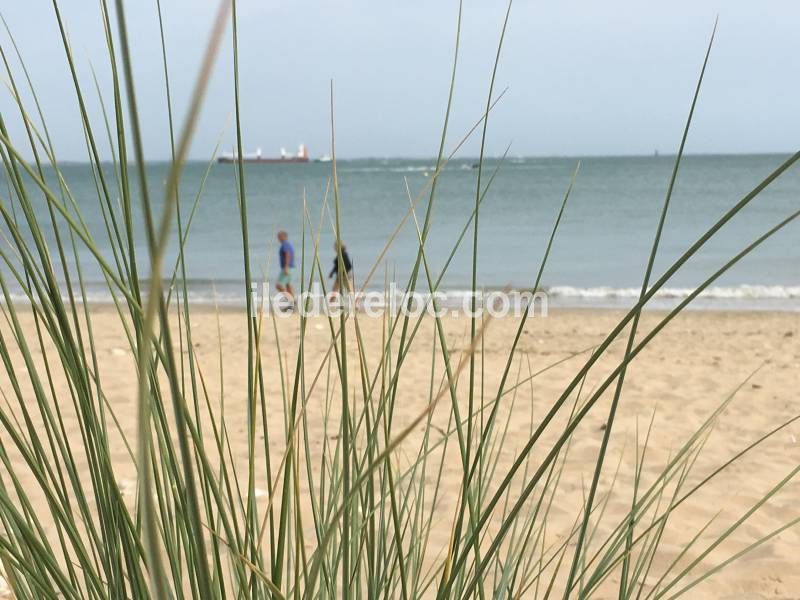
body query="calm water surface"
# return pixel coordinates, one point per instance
(598, 257)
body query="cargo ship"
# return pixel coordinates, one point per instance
(256, 157)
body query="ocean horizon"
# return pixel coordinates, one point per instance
(315, 157)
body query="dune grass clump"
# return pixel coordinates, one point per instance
(342, 516)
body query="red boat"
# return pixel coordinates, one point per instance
(284, 158)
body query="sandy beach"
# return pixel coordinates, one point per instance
(689, 370)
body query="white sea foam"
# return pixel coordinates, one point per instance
(769, 297)
(386, 169)
(739, 292)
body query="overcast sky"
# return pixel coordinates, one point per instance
(583, 77)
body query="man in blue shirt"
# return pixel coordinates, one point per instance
(286, 260)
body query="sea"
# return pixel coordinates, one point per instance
(598, 257)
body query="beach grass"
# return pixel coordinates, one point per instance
(348, 515)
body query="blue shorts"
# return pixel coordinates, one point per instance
(285, 278)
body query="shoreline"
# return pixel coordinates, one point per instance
(791, 308)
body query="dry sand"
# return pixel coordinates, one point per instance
(692, 367)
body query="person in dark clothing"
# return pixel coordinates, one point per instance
(348, 269)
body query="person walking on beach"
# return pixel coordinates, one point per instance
(348, 268)
(286, 261)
